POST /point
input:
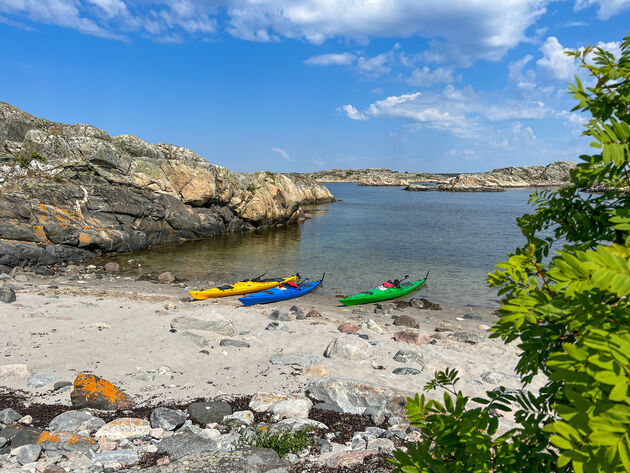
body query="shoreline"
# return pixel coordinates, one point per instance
(120, 328)
(138, 335)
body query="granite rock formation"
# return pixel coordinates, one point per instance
(555, 174)
(69, 192)
(376, 177)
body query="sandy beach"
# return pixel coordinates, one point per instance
(120, 328)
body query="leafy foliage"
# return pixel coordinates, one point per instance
(565, 298)
(282, 441)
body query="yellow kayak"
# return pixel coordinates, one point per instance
(241, 287)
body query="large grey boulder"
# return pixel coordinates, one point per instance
(167, 419)
(354, 396)
(180, 445)
(76, 421)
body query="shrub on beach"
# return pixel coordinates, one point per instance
(569, 314)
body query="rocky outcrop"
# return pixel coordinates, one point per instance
(68, 192)
(553, 175)
(375, 177)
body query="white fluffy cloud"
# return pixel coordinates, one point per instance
(462, 112)
(555, 61)
(424, 76)
(606, 8)
(460, 30)
(341, 59)
(352, 113)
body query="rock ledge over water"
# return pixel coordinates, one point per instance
(68, 192)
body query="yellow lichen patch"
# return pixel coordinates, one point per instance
(94, 386)
(39, 232)
(84, 239)
(46, 437)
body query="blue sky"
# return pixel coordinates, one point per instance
(302, 85)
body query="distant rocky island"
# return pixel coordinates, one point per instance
(70, 192)
(376, 177)
(553, 175)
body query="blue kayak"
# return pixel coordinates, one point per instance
(280, 293)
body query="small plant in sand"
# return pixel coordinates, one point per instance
(283, 441)
(570, 315)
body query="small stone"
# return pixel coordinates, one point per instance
(384, 446)
(291, 408)
(300, 423)
(7, 295)
(19, 370)
(406, 321)
(124, 428)
(296, 310)
(262, 402)
(422, 303)
(406, 371)
(226, 342)
(376, 414)
(405, 355)
(493, 377)
(223, 327)
(280, 316)
(39, 380)
(316, 371)
(112, 267)
(156, 433)
(349, 347)
(358, 443)
(162, 461)
(198, 340)
(166, 277)
(54, 469)
(208, 412)
(413, 338)
(125, 458)
(468, 337)
(313, 313)
(239, 418)
(373, 326)
(473, 317)
(359, 311)
(301, 359)
(107, 446)
(62, 385)
(277, 326)
(167, 419)
(26, 420)
(345, 459)
(348, 327)
(483, 327)
(9, 416)
(28, 454)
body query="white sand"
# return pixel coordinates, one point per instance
(55, 331)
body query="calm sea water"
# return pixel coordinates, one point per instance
(373, 234)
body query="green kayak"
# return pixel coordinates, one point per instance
(382, 293)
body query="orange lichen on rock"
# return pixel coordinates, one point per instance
(93, 391)
(84, 239)
(46, 437)
(39, 232)
(66, 438)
